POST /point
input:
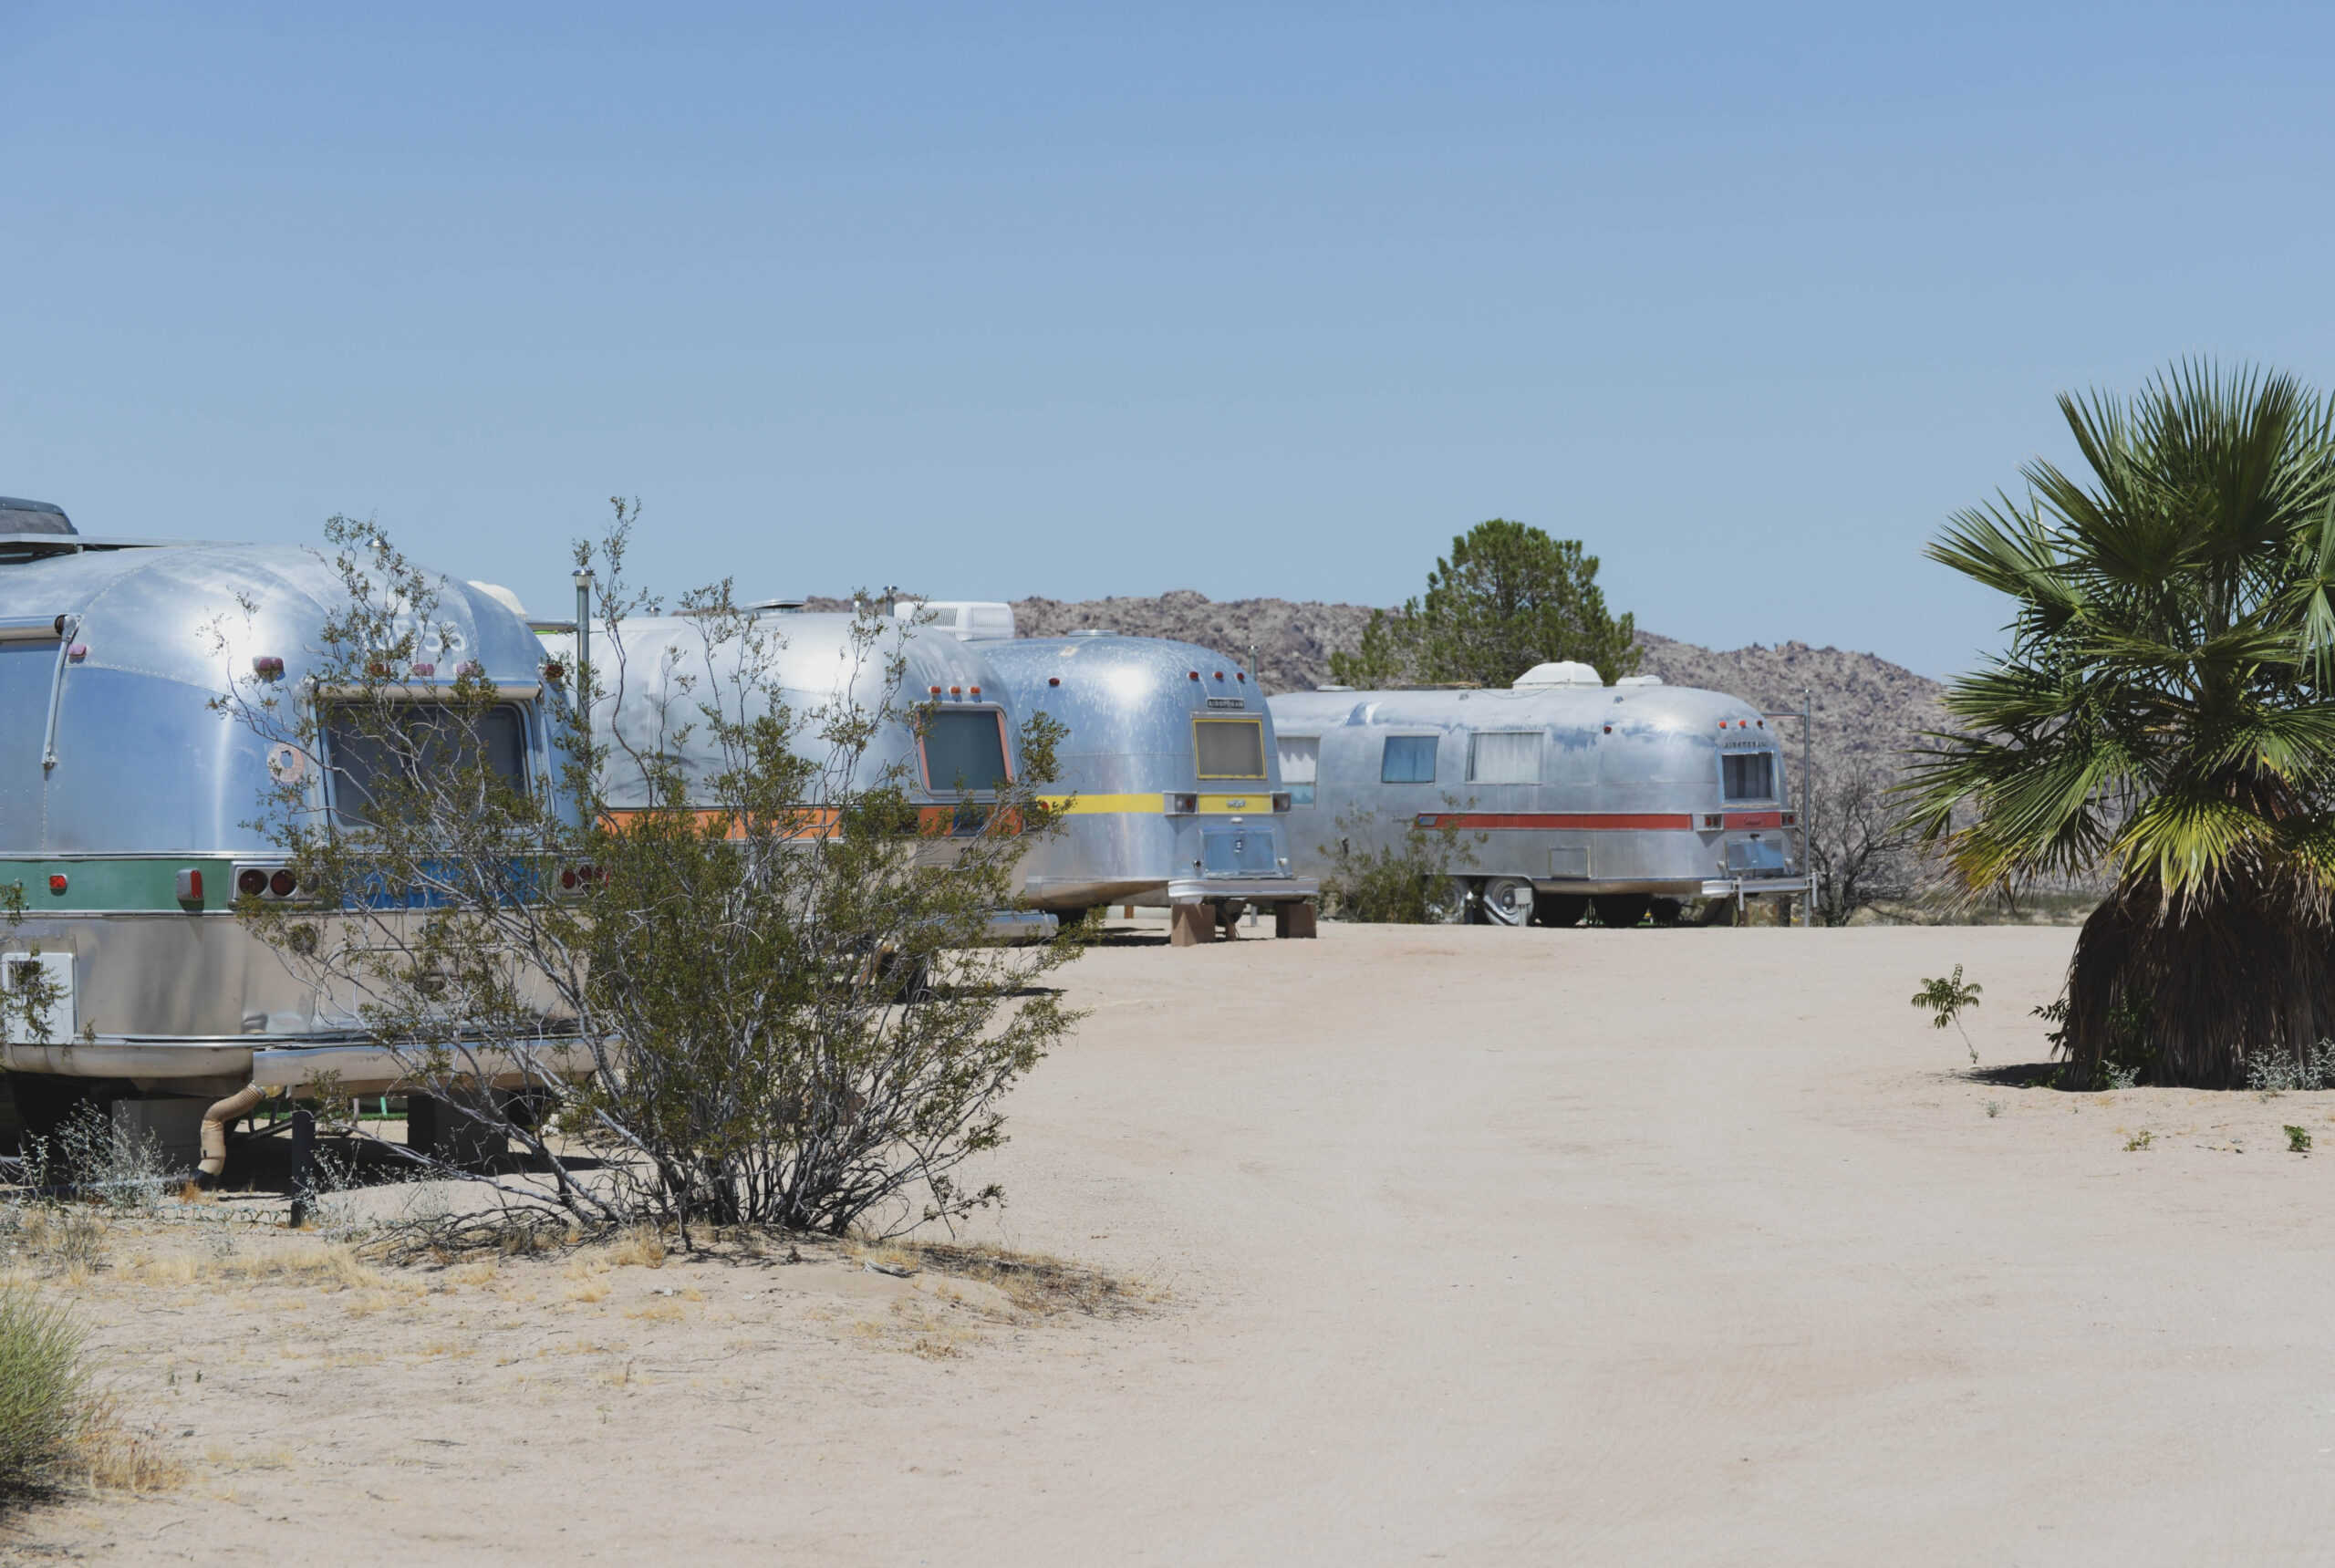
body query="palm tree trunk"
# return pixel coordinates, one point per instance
(2190, 991)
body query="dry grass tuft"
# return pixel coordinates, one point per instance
(1040, 1284)
(639, 1247)
(107, 1454)
(589, 1291)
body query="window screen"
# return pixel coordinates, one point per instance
(1300, 758)
(374, 754)
(1749, 776)
(1504, 756)
(1229, 748)
(964, 749)
(1409, 759)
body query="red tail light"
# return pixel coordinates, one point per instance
(282, 884)
(57, 883)
(251, 881)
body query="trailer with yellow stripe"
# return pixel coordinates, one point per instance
(1169, 787)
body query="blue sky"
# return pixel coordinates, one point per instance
(1257, 300)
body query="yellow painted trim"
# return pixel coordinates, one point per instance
(1254, 802)
(1149, 805)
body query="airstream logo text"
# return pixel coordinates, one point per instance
(1226, 703)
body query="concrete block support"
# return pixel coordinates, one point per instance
(1295, 920)
(1190, 925)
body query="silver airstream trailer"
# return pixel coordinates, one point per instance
(1628, 799)
(1169, 783)
(657, 674)
(127, 798)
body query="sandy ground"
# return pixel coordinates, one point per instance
(1475, 1245)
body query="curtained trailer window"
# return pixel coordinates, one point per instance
(1749, 776)
(1409, 759)
(1301, 760)
(1504, 756)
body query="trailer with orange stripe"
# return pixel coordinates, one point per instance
(1573, 796)
(948, 734)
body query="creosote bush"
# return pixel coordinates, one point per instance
(726, 958)
(1411, 885)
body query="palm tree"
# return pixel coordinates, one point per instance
(2165, 713)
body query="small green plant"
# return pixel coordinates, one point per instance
(2297, 1140)
(2139, 1141)
(1994, 1109)
(1411, 886)
(1945, 1000)
(2275, 1072)
(42, 1391)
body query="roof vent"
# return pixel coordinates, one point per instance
(967, 619)
(32, 517)
(1564, 672)
(1089, 632)
(502, 597)
(1639, 681)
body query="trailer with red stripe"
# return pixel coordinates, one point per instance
(1570, 794)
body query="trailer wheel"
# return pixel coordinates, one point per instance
(1559, 908)
(1505, 900)
(1669, 911)
(1620, 912)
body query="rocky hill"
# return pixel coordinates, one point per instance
(1866, 708)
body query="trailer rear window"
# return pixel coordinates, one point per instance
(1749, 776)
(1229, 748)
(964, 749)
(378, 752)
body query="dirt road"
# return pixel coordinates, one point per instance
(1478, 1246)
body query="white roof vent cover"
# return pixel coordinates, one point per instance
(967, 618)
(1564, 672)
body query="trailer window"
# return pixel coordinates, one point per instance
(1749, 776)
(1504, 756)
(1300, 758)
(1409, 759)
(376, 751)
(964, 749)
(1229, 748)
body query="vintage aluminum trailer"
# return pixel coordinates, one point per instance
(126, 799)
(1630, 798)
(1168, 782)
(656, 673)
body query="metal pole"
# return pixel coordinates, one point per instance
(303, 1143)
(1808, 803)
(584, 652)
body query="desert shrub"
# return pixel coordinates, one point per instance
(42, 1391)
(731, 906)
(2272, 1072)
(1410, 884)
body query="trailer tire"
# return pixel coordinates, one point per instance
(1559, 908)
(1505, 901)
(1620, 912)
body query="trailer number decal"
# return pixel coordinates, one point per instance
(1235, 703)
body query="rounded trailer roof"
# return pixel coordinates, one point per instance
(1682, 708)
